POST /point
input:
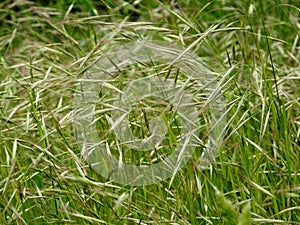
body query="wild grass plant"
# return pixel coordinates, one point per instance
(251, 46)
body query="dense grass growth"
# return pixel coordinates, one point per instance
(45, 46)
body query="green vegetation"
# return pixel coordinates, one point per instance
(45, 46)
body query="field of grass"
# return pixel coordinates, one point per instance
(253, 48)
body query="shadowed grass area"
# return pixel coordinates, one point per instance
(252, 46)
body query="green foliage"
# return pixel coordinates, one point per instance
(245, 216)
(227, 210)
(228, 213)
(252, 46)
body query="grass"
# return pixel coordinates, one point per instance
(253, 46)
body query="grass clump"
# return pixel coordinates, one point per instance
(228, 213)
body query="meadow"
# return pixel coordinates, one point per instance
(252, 48)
